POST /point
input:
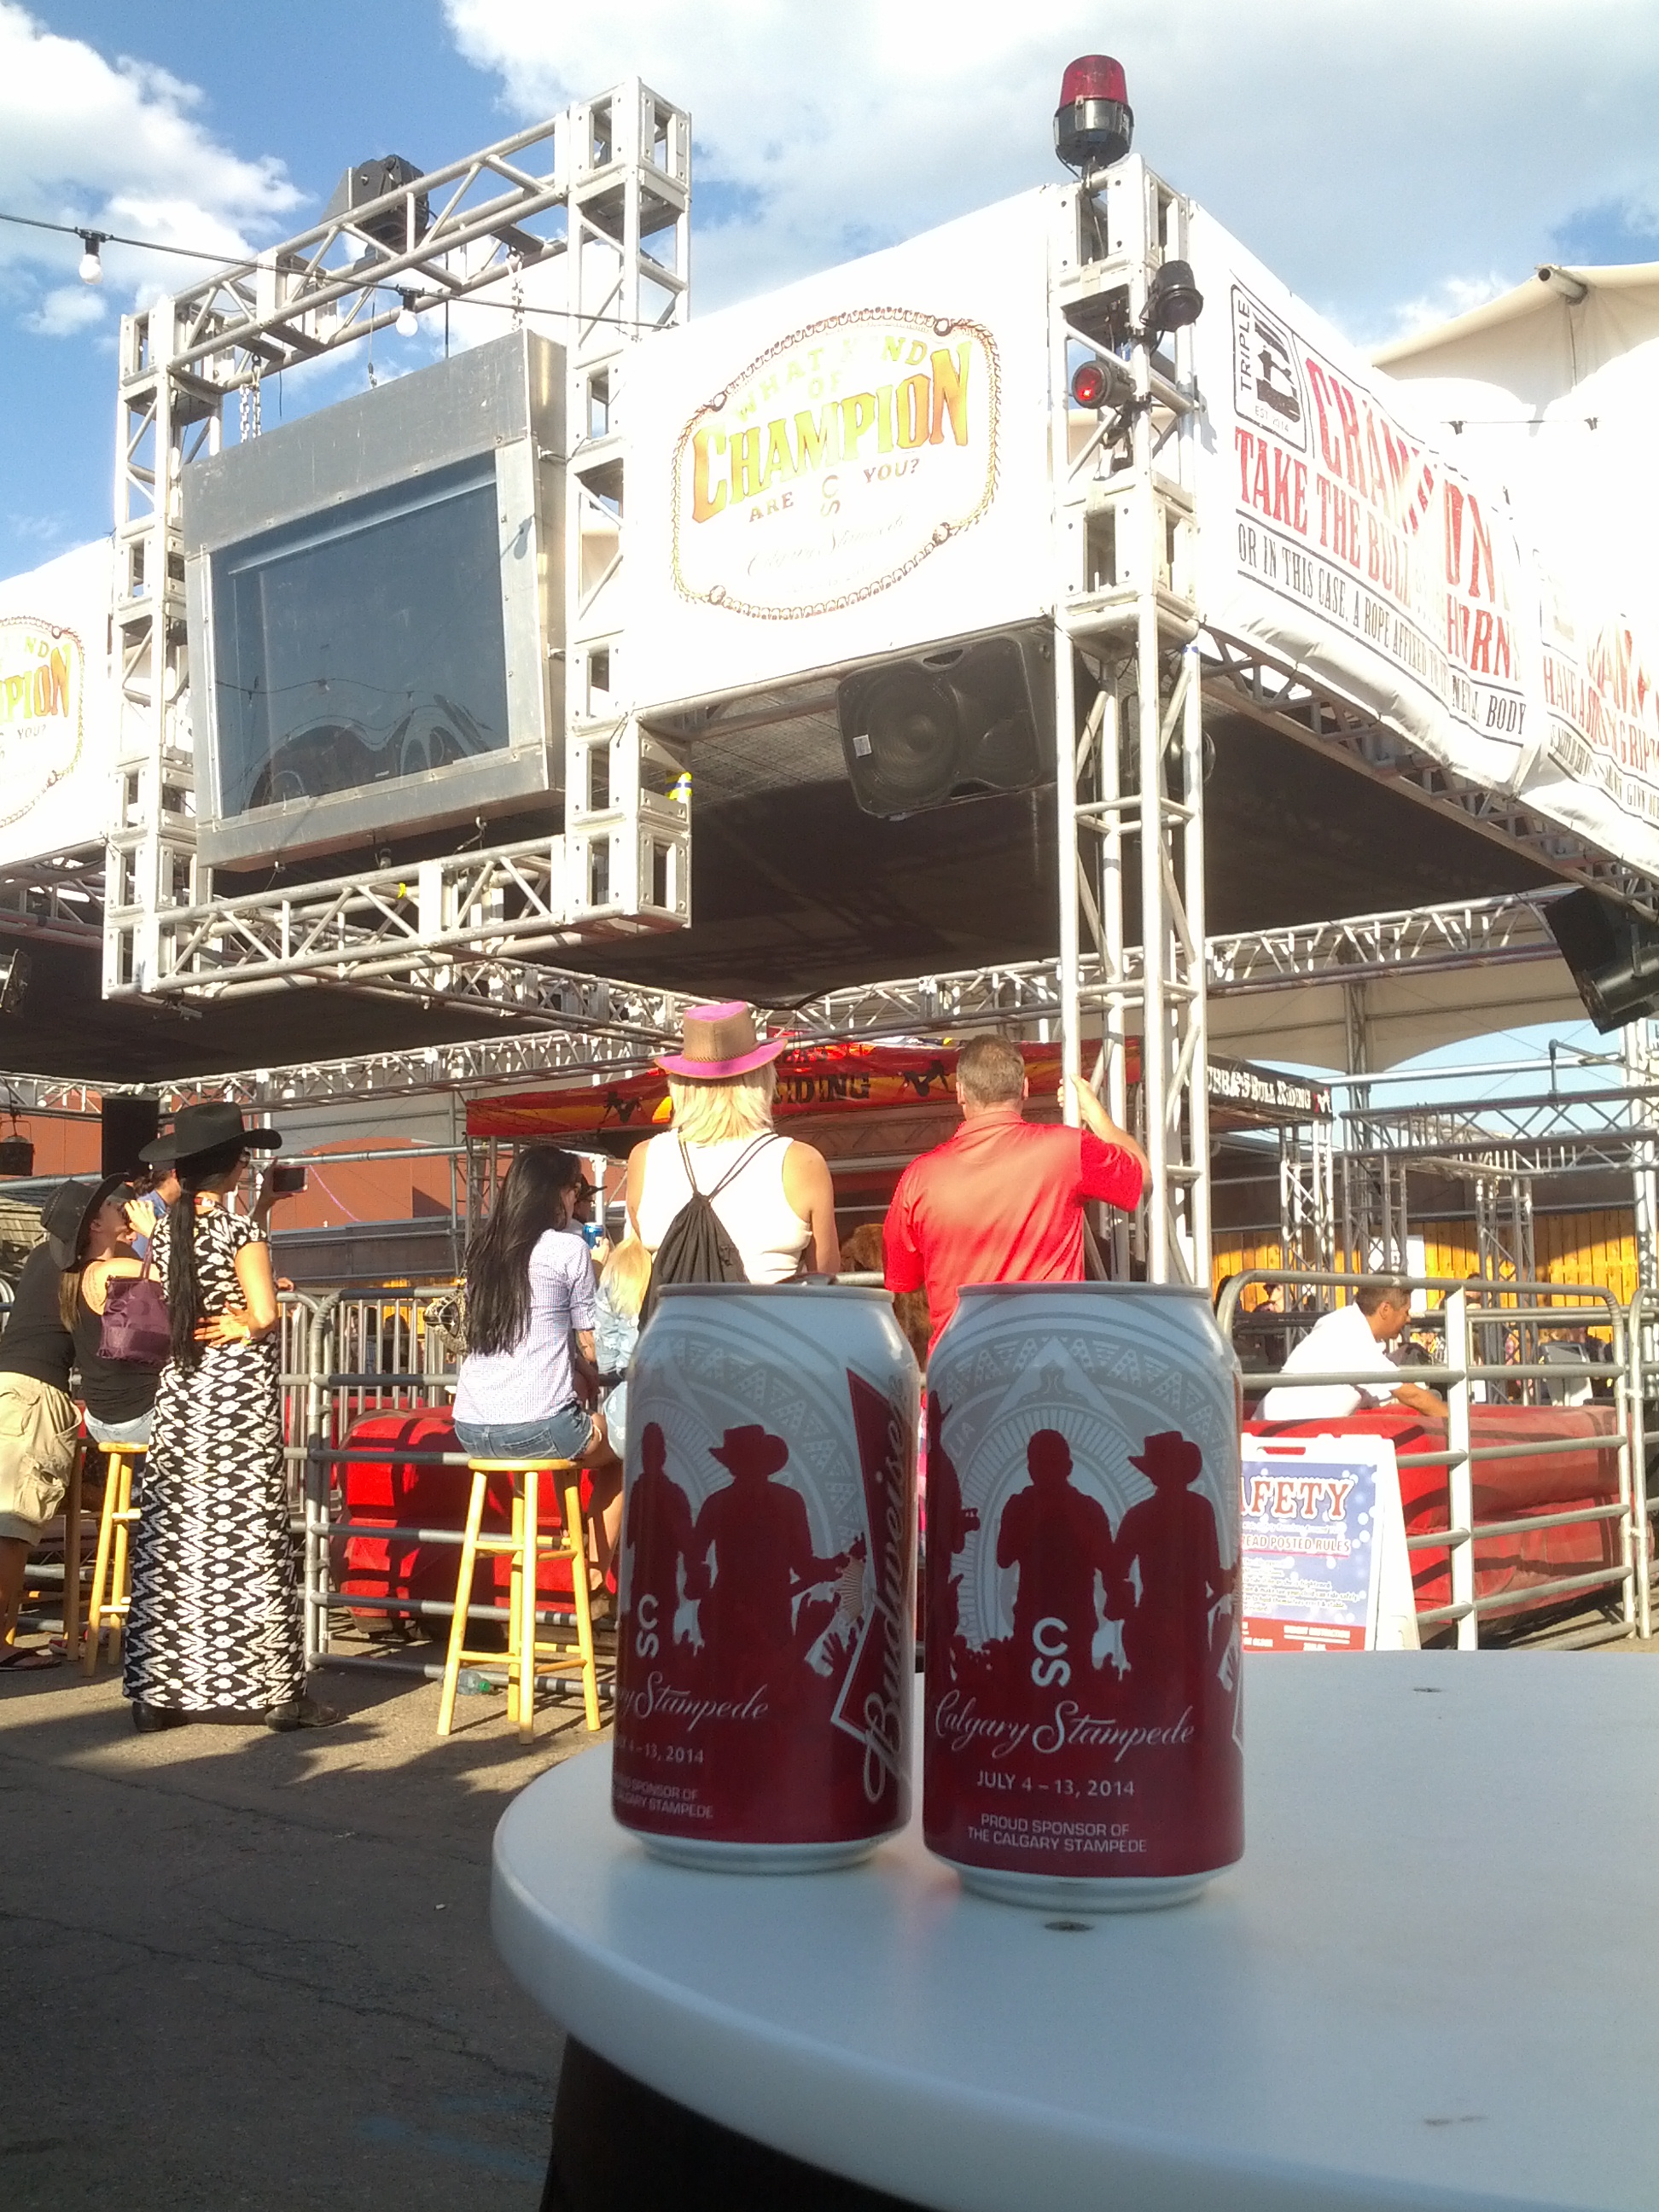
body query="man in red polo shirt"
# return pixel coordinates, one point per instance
(1002, 1200)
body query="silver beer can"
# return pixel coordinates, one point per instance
(1084, 1731)
(766, 1641)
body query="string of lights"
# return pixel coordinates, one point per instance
(92, 272)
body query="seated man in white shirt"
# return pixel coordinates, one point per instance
(1349, 1340)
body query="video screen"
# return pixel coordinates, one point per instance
(360, 647)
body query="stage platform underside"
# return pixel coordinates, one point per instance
(796, 892)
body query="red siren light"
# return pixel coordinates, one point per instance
(1093, 77)
(1094, 123)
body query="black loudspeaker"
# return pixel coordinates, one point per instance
(954, 723)
(372, 180)
(128, 1124)
(1612, 954)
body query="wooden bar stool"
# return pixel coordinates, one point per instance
(527, 1546)
(119, 1514)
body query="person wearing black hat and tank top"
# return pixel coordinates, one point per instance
(214, 1630)
(39, 1422)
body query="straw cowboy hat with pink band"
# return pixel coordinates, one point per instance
(718, 1042)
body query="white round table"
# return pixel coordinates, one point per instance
(1430, 1984)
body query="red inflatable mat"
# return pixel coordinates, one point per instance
(1504, 1490)
(385, 1485)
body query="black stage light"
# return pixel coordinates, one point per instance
(1611, 954)
(958, 723)
(1174, 300)
(1094, 123)
(1102, 382)
(1089, 384)
(14, 981)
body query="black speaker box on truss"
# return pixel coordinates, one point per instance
(1613, 954)
(954, 723)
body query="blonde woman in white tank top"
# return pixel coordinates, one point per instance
(779, 1208)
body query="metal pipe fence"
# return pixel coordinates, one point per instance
(1642, 1328)
(388, 1350)
(394, 1349)
(1528, 1308)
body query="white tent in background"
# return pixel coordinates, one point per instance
(1553, 389)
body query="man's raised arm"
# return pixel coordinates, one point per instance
(1099, 1122)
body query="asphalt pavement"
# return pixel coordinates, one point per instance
(248, 1971)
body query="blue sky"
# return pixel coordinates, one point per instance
(1394, 162)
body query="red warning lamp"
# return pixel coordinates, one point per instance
(1094, 123)
(1093, 77)
(1089, 384)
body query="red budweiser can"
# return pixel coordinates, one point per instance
(765, 1647)
(1083, 1734)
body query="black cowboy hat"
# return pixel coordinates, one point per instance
(67, 1212)
(750, 1450)
(203, 1129)
(1169, 1452)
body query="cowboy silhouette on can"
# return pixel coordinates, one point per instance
(663, 1570)
(1169, 1539)
(1061, 1541)
(753, 1543)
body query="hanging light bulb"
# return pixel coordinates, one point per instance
(92, 267)
(406, 325)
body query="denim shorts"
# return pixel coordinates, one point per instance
(135, 1431)
(560, 1435)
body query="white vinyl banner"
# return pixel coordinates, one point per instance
(1336, 539)
(57, 705)
(855, 465)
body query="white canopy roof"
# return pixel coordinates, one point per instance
(1553, 390)
(1544, 339)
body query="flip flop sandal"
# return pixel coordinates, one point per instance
(33, 1661)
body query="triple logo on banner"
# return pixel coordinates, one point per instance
(1325, 1563)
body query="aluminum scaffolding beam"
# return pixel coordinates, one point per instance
(1020, 996)
(1130, 760)
(602, 192)
(1244, 678)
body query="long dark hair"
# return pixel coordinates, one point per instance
(532, 1201)
(183, 1284)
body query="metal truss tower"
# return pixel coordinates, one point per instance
(602, 192)
(1128, 709)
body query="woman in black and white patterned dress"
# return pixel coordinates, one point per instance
(214, 1632)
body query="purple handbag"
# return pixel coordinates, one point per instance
(136, 1331)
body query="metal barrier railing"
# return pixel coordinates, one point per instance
(1642, 1318)
(390, 1349)
(343, 1354)
(386, 1350)
(1528, 1307)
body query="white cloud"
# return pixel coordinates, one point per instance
(1369, 152)
(64, 310)
(114, 146)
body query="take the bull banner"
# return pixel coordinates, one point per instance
(1336, 537)
(853, 466)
